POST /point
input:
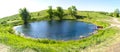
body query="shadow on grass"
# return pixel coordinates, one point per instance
(80, 17)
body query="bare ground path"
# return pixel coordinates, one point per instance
(4, 48)
(116, 46)
(111, 45)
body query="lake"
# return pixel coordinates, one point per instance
(56, 30)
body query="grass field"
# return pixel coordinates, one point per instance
(19, 44)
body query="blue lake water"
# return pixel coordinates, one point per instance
(56, 30)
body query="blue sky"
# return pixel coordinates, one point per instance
(10, 7)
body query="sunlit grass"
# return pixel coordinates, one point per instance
(19, 43)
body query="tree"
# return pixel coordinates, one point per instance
(116, 13)
(50, 12)
(72, 11)
(25, 16)
(60, 12)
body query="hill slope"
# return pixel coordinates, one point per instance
(19, 43)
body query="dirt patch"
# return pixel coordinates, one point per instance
(110, 45)
(4, 48)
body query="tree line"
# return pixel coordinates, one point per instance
(59, 12)
(116, 13)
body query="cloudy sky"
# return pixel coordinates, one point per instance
(10, 7)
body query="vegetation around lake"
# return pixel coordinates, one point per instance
(19, 44)
(25, 16)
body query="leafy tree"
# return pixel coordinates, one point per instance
(24, 14)
(50, 12)
(60, 12)
(116, 13)
(72, 11)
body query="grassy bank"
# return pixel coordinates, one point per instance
(19, 44)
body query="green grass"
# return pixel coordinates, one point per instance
(19, 43)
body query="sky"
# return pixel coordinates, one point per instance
(11, 7)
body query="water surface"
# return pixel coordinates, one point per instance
(57, 30)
